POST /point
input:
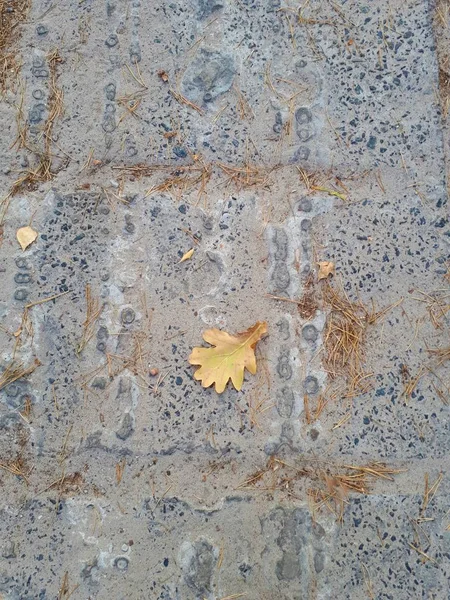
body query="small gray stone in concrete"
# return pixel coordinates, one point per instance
(311, 385)
(301, 154)
(22, 278)
(283, 327)
(21, 294)
(200, 567)
(287, 431)
(127, 316)
(22, 263)
(212, 72)
(288, 567)
(285, 403)
(207, 7)
(102, 333)
(112, 40)
(284, 368)
(9, 550)
(110, 91)
(135, 52)
(126, 428)
(319, 561)
(121, 563)
(280, 276)
(306, 225)
(99, 383)
(303, 115)
(310, 333)
(280, 239)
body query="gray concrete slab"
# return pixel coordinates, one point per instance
(267, 137)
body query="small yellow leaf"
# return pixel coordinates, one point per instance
(26, 236)
(187, 255)
(318, 188)
(326, 267)
(228, 356)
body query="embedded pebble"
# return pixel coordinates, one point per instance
(285, 403)
(121, 563)
(284, 368)
(21, 294)
(310, 333)
(102, 333)
(303, 115)
(210, 72)
(207, 7)
(127, 316)
(22, 263)
(135, 52)
(9, 550)
(110, 91)
(280, 276)
(280, 239)
(302, 154)
(306, 225)
(12, 390)
(311, 385)
(22, 278)
(99, 383)
(126, 427)
(112, 40)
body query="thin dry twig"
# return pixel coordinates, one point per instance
(93, 312)
(17, 467)
(64, 592)
(120, 468)
(247, 175)
(183, 100)
(429, 492)
(16, 370)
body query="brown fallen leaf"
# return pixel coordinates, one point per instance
(326, 267)
(228, 356)
(187, 255)
(26, 236)
(163, 75)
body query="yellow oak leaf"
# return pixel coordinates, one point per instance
(228, 356)
(326, 267)
(187, 255)
(26, 236)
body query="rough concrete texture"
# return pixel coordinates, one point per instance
(267, 138)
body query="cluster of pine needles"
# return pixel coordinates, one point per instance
(196, 175)
(345, 337)
(42, 146)
(328, 485)
(12, 14)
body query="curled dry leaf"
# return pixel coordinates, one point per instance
(163, 76)
(26, 236)
(326, 267)
(228, 356)
(187, 255)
